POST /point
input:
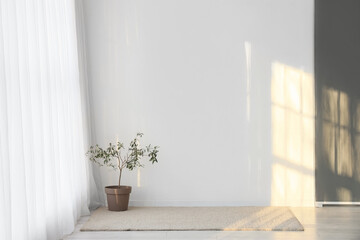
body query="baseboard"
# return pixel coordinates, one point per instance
(326, 203)
(137, 203)
(142, 203)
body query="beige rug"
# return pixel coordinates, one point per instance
(194, 219)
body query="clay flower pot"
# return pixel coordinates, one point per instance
(118, 197)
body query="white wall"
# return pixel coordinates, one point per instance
(200, 79)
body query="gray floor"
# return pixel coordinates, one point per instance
(320, 223)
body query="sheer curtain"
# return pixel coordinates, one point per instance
(43, 169)
(94, 180)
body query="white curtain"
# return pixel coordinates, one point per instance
(94, 180)
(43, 169)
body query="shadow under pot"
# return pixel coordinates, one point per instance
(118, 197)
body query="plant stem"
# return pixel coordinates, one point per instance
(120, 176)
(120, 167)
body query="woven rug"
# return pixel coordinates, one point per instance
(194, 219)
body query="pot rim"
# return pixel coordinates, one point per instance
(115, 189)
(117, 186)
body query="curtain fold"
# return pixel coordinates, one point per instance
(43, 167)
(95, 199)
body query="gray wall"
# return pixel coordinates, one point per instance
(337, 74)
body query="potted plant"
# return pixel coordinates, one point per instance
(114, 157)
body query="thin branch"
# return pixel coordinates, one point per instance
(119, 163)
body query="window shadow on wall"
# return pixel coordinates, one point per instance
(338, 145)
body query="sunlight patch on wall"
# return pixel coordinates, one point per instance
(293, 136)
(340, 142)
(357, 162)
(337, 140)
(328, 142)
(344, 193)
(344, 154)
(344, 103)
(357, 117)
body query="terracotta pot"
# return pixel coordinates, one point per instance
(118, 197)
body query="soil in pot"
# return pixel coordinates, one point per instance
(118, 197)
